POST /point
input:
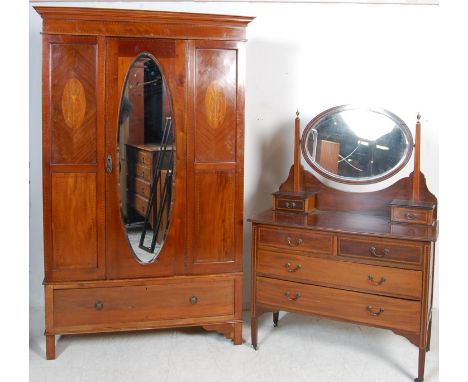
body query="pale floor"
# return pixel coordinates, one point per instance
(300, 349)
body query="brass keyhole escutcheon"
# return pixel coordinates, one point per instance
(193, 300)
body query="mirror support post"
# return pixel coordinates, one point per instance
(417, 165)
(297, 154)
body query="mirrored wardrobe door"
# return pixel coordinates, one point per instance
(144, 227)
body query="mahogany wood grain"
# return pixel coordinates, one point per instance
(86, 56)
(363, 203)
(215, 138)
(346, 275)
(137, 23)
(297, 183)
(347, 223)
(50, 346)
(417, 162)
(381, 249)
(73, 103)
(344, 305)
(172, 300)
(121, 262)
(304, 241)
(412, 215)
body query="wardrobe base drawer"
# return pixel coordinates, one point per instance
(170, 299)
(386, 312)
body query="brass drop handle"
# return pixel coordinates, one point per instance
(290, 204)
(295, 298)
(410, 216)
(193, 300)
(375, 314)
(289, 269)
(296, 244)
(98, 305)
(370, 278)
(384, 253)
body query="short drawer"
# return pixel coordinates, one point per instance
(289, 205)
(127, 304)
(412, 215)
(140, 186)
(144, 172)
(302, 240)
(343, 274)
(141, 156)
(358, 307)
(138, 202)
(396, 251)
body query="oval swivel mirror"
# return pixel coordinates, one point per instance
(146, 152)
(353, 145)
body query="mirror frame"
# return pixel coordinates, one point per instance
(367, 180)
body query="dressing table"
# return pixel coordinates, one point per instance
(360, 257)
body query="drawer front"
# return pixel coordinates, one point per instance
(144, 172)
(380, 249)
(138, 202)
(358, 307)
(141, 156)
(411, 215)
(125, 304)
(302, 240)
(344, 274)
(141, 187)
(290, 204)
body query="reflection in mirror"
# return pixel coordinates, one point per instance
(146, 152)
(354, 145)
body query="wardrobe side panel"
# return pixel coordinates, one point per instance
(73, 138)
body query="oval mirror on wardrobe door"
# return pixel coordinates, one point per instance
(146, 152)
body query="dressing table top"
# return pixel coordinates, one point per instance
(348, 223)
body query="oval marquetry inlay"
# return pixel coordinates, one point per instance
(73, 103)
(215, 104)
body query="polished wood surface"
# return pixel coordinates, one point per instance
(303, 241)
(93, 281)
(174, 299)
(353, 258)
(364, 308)
(353, 276)
(139, 23)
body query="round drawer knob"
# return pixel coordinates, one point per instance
(193, 300)
(99, 305)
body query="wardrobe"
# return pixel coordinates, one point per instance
(142, 139)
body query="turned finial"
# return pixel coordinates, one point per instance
(297, 113)
(418, 116)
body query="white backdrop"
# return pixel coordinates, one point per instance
(306, 56)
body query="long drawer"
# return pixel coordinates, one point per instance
(377, 249)
(344, 274)
(126, 304)
(301, 240)
(335, 303)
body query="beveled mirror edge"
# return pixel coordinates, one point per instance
(362, 181)
(171, 204)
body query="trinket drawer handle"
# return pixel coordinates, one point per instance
(295, 298)
(289, 269)
(193, 300)
(370, 278)
(410, 216)
(290, 204)
(98, 305)
(290, 243)
(384, 253)
(375, 314)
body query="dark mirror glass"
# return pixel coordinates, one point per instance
(146, 152)
(355, 145)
